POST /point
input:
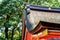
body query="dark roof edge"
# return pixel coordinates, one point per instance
(42, 8)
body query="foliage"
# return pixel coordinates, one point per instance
(10, 14)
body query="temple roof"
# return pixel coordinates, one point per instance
(41, 13)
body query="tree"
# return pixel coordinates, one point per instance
(10, 15)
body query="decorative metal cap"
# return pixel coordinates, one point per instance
(27, 8)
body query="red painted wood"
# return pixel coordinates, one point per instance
(50, 36)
